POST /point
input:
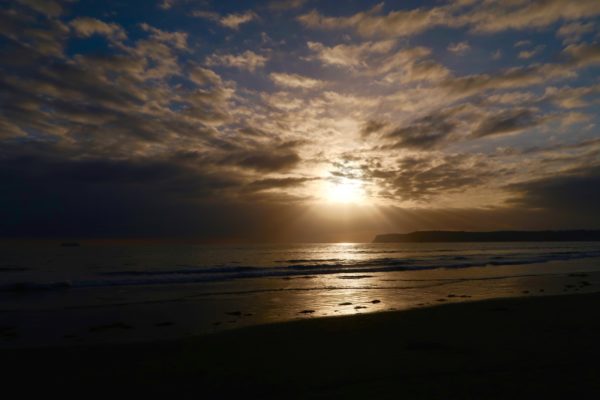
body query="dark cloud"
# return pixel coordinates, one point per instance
(507, 121)
(278, 183)
(372, 126)
(265, 160)
(46, 194)
(435, 128)
(422, 179)
(423, 133)
(571, 193)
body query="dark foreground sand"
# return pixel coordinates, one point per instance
(515, 348)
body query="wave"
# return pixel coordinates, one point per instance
(302, 267)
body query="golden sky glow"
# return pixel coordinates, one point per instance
(196, 111)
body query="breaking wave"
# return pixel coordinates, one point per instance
(299, 267)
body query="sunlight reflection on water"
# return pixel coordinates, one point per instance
(311, 285)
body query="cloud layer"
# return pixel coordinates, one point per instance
(216, 120)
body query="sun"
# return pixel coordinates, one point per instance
(345, 191)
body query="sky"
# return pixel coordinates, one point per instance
(297, 120)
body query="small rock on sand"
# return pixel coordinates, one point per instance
(345, 304)
(376, 301)
(307, 311)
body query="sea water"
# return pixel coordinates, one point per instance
(101, 291)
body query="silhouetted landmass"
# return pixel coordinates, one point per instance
(494, 236)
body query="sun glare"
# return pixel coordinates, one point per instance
(345, 191)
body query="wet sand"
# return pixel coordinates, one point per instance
(510, 348)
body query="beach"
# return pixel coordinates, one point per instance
(530, 347)
(97, 293)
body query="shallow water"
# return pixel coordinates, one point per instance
(104, 292)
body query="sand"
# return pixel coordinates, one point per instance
(532, 347)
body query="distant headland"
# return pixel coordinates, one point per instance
(493, 236)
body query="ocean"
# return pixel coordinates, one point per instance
(105, 292)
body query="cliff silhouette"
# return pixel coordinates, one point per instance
(493, 236)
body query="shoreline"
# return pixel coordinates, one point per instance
(482, 349)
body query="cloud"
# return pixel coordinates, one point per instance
(370, 59)
(409, 65)
(28, 36)
(295, 80)
(570, 192)
(202, 76)
(349, 55)
(423, 133)
(166, 4)
(177, 39)
(507, 121)
(487, 16)
(576, 56)
(86, 27)
(583, 55)
(523, 43)
(151, 132)
(278, 183)
(286, 4)
(49, 8)
(372, 126)
(234, 21)
(462, 123)
(459, 48)
(247, 60)
(569, 98)
(527, 54)
(496, 16)
(369, 23)
(231, 21)
(572, 32)
(423, 179)
(275, 160)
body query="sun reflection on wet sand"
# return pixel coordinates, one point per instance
(196, 309)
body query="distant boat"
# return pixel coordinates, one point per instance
(70, 244)
(494, 236)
